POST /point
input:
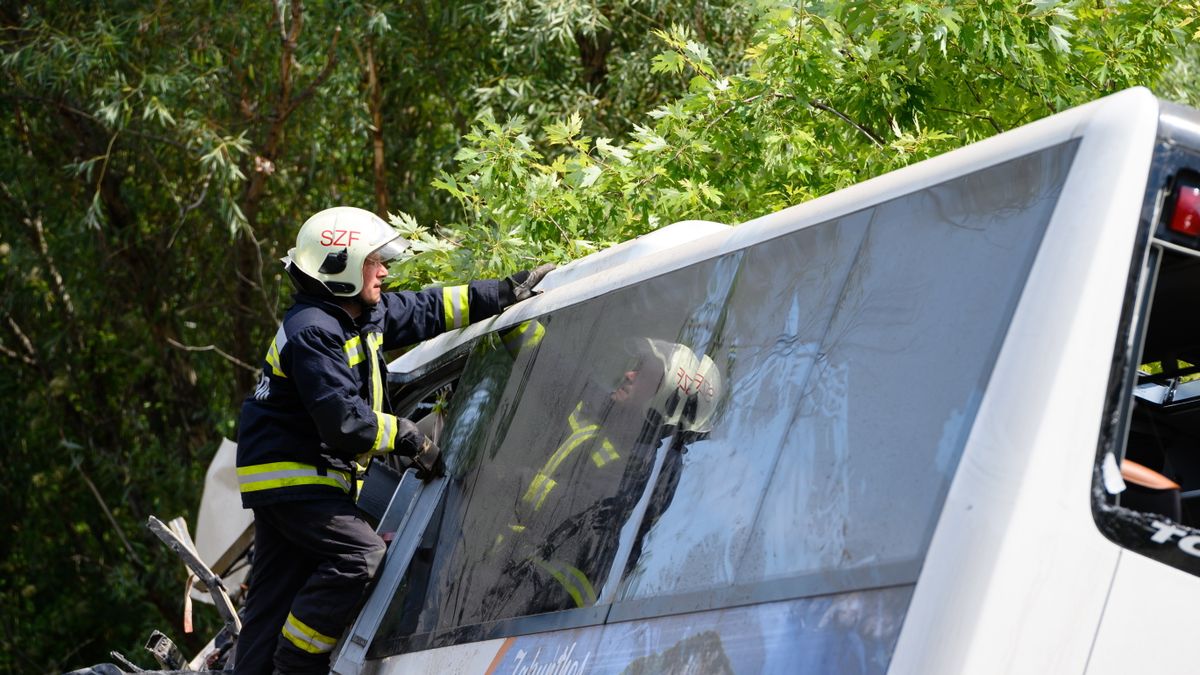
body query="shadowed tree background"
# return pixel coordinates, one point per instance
(157, 158)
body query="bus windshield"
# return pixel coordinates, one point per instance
(779, 422)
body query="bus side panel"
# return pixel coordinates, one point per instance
(473, 657)
(1149, 621)
(846, 633)
(1017, 572)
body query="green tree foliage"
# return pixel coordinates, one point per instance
(828, 94)
(152, 157)
(555, 57)
(440, 64)
(156, 159)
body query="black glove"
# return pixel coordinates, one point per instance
(519, 286)
(409, 439)
(428, 462)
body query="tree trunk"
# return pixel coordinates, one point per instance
(375, 100)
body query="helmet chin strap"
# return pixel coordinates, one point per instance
(356, 306)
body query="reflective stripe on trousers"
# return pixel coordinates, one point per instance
(307, 638)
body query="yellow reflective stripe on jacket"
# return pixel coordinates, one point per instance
(564, 451)
(385, 432)
(516, 529)
(573, 581)
(525, 335)
(539, 489)
(542, 483)
(454, 301)
(287, 474)
(607, 453)
(571, 418)
(374, 342)
(354, 351)
(307, 638)
(273, 352)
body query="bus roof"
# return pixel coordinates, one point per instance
(687, 242)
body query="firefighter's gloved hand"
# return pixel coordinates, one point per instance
(519, 286)
(428, 462)
(409, 439)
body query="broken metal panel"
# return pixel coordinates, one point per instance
(224, 530)
(165, 652)
(183, 546)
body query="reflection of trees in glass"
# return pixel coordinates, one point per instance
(700, 653)
(479, 392)
(857, 352)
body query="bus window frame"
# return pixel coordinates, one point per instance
(1125, 527)
(866, 578)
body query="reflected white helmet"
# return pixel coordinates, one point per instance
(690, 386)
(333, 244)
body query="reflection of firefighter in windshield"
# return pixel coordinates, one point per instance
(565, 534)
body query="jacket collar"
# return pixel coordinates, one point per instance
(372, 315)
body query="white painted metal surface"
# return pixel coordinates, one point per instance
(1148, 622)
(1017, 576)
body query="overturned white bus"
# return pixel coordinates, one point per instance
(945, 421)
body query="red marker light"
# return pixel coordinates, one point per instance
(1186, 217)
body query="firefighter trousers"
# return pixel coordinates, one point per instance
(312, 561)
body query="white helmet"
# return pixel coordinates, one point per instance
(332, 246)
(690, 386)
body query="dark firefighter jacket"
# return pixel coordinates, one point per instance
(565, 539)
(321, 400)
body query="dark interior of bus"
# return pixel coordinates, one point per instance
(1164, 434)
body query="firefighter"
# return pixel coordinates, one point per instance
(556, 561)
(319, 413)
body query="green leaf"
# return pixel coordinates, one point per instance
(590, 174)
(605, 147)
(699, 85)
(1059, 39)
(667, 62)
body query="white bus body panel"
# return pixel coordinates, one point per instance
(473, 657)
(1017, 573)
(1149, 622)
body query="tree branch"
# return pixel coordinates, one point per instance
(283, 33)
(375, 105)
(821, 105)
(111, 519)
(66, 107)
(262, 283)
(249, 264)
(25, 341)
(185, 209)
(330, 62)
(12, 354)
(37, 233)
(711, 123)
(213, 348)
(988, 118)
